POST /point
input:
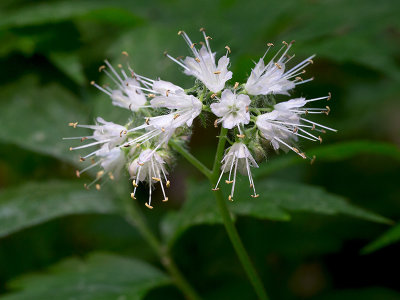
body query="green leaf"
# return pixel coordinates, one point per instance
(98, 277)
(276, 200)
(335, 152)
(37, 117)
(389, 237)
(34, 203)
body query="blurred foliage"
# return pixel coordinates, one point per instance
(299, 233)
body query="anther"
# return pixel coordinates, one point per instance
(230, 198)
(156, 179)
(216, 189)
(119, 66)
(176, 116)
(168, 184)
(295, 150)
(208, 37)
(73, 124)
(241, 136)
(310, 61)
(216, 123)
(251, 185)
(313, 159)
(278, 66)
(247, 109)
(165, 53)
(329, 96)
(78, 174)
(229, 182)
(292, 42)
(81, 159)
(285, 43)
(165, 200)
(111, 176)
(127, 145)
(98, 187)
(148, 205)
(255, 196)
(236, 85)
(320, 139)
(70, 148)
(99, 174)
(130, 106)
(125, 53)
(228, 48)
(299, 78)
(101, 68)
(83, 139)
(180, 32)
(323, 130)
(306, 112)
(328, 109)
(92, 82)
(134, 183)
(202, 29)
(270, 44)
(162, 129)
(167, 92)
(197, 59)
(217, 72)
(192, 45)
(295, 129)
(133, 196)
(213, 96)
(313, 127)
(303, 155)
(85, 186)
(151, 95)
(147, 121)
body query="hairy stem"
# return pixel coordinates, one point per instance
(135, 218)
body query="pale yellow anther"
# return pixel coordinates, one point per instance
(270, 44)
(217, 72)
(85, 186)
(208, 37)
(247, 109)
(236, 85)
(125, 53)
(151, 95)
(285, 43)
(70, 148)
(92, 82)
(84, 139)
(228, 48)
(73, 124)
(299, 78)
(213, 96)
(168, 184)
(328, 109)
(230, 198)
(167, 92)
(147, 121)
(81, 159)
(101, 68)
(303, 155)
(329, 96)
(228, 181)
(320, 139)
(165, 200)
(202, 29)
(278, 66)
(77, 173)
(313, 159)
(323, 130)
(148, 206)
(156, 179)
(216, 123)
(255, 196)
(295, 149)
(133, 196)
(180, 32)
(134, 183)
(306, 112)
(197, 59)
(313, 127)
(251, 185)
(100, 174)
(192, 45)
(215, 189)
(176, 116)
(98, 187)
(140, 164)
(137, 145)
(111, 176)
(295, 129)
(119, 66)
(162, 129)
(241, 136)
(310, 61)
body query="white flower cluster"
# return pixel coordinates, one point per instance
(162, 111)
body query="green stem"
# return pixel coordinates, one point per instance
(135, 218)
(190, 158)
(230, 226)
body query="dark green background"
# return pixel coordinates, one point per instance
(51, 50)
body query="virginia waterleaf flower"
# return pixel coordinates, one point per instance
(163, 111)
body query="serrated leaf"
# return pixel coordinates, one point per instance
(35, 203)
(389, 237)
(98, 277)
(276, 200)
(37, 117)
(334, 152)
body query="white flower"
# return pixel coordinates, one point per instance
(128, 94)
(183, 109)
(232, 109)
(237, 157)
(284, 124)
(203, 65)
(105, 133)
(149, 167)
(272, 78)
